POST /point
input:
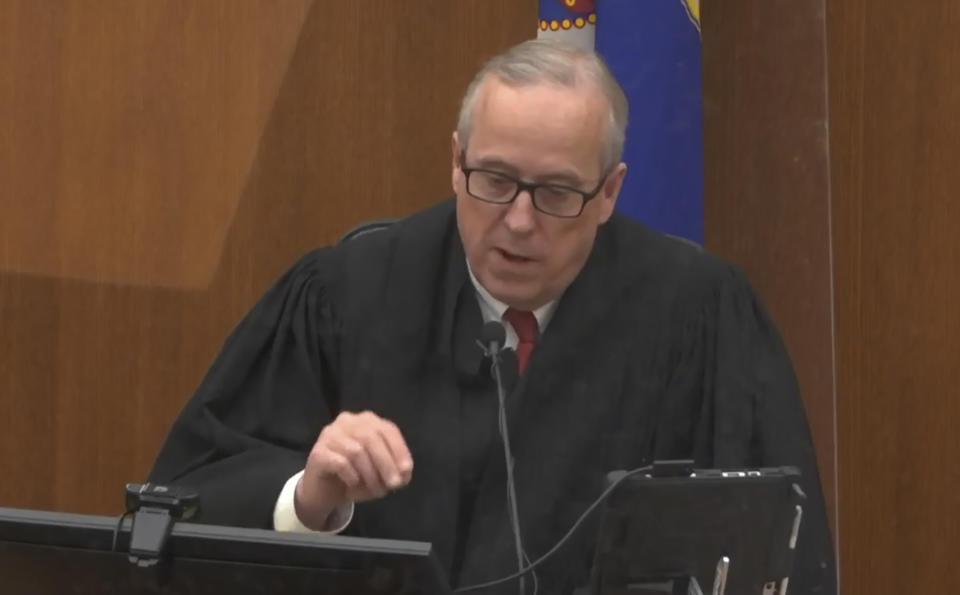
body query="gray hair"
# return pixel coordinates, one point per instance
(565, 64)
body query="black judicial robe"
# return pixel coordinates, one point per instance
(656, 350)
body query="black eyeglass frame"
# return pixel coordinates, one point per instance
(530, 187)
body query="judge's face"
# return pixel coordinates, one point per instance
(546, 134)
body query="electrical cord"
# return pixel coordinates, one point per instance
(536, 582)
(116, 530)
(563, 540)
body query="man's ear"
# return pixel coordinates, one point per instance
(455, 162)
(611, 190)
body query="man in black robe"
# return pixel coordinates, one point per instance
(362, 361)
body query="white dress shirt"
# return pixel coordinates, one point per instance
(285, 514)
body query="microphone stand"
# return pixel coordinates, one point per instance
(492, 349)
(508, 459)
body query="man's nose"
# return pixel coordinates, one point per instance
(521, 214)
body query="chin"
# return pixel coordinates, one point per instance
(519, 289)
(515, 295)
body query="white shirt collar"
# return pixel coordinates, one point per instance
(493, 309)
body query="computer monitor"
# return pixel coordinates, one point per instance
(655, 532)
(50, 552)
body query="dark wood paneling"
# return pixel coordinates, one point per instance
(894, 93)
(352, 123)
(766, 182)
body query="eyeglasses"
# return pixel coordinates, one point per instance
(499, 188)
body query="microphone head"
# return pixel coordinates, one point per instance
(493, 333)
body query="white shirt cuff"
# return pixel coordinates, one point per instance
(285, 513)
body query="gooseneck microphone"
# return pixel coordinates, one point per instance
(492, 339)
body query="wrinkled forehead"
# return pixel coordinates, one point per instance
(540, 125)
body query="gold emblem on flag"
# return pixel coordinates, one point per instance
(557, 24)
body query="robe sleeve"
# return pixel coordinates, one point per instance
(752, 413)
(255, 415)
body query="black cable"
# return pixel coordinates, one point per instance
(116, 530)
(586, 513)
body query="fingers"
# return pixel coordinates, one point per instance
(383, 460)
(386, 447)
(342, 468)
(367, 453)
(357, 452)
(398, 450)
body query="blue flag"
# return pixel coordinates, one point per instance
(653, 48)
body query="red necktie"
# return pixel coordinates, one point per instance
(524, 323)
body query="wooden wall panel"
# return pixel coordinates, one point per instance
(888, 214)
(766, 182)
(894, 93)
(253, 131)
(134, 123)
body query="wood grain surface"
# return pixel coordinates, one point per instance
(161, 163)
(895, 139)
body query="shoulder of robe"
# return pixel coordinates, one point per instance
(365, 265)
(423, 231)
(648, 256)
(360, 271)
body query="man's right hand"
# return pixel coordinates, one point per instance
(357, 457)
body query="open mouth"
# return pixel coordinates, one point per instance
(514, 258)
